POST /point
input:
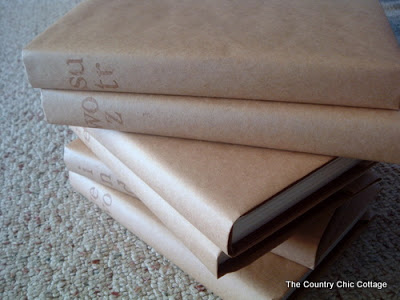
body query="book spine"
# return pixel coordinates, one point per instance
(200, 245)
(367, 134)
(264, 279)
(81, 161)
(218, 78)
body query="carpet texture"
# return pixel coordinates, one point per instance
(55, 244)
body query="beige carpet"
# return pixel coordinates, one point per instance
(55, 244)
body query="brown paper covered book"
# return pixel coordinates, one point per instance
(328, 52)
(234, 195)
(363, 133)
(304, 240)
(266, 278)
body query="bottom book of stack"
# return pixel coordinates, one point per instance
(264, 278)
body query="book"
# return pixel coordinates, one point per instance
(320, 129)
(337, 52)
(205, 250)
(266, 278)
(221, 183)
(303, 239)
(79, 159)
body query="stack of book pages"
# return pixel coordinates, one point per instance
(234, 137)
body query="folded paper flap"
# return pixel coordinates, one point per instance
(299, 209)
(330, 259)
(346, 215)
(370, 178)
(312, 239)
(302, 245)
(280, 238)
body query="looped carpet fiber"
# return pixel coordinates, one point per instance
(56, 244)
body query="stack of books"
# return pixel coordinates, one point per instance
(234, 137)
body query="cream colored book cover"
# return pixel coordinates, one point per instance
(329, 52)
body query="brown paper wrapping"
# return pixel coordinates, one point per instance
(314, 239)
(369, 134)
(195, 168)
(328, 52)
(344, 218)
(79, 159)
(263, 279)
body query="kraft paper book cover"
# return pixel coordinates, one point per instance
(264, 279)
(305, 237)
(328, 52)
(321, 129)
(182, 170)
(341, 221)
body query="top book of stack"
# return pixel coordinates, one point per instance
(327, 52)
